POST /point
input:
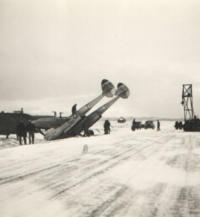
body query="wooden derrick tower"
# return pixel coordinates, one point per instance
(187, 102)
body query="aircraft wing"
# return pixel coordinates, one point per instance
(58, 132)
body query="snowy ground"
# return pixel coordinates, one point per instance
(126, 174)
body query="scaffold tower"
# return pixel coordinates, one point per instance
(187, 102)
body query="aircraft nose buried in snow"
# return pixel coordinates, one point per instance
(73, 125)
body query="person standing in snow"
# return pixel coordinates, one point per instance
(158, 125)
(31, 132)
(176, 125)
(107, 127)
(133, 125)
(74, 112)
(21, 132)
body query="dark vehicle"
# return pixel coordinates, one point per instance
(121, 120)
(136, 125)
(149, 125)
(192, 125)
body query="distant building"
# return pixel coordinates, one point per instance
(19, 111)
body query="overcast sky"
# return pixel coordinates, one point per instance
(54, 53)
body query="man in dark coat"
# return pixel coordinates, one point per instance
(21, 132)
(31, 132)
(133, 125)
(176, 125)
(107, 127)
(74, 112)
(158, 125)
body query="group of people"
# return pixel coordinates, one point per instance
(22, 129)
(178, 125)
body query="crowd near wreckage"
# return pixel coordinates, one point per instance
(80, 122)
(9, 121)
(53, 127)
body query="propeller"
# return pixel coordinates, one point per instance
(122, 91)
(107, 88)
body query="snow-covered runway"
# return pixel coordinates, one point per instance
(142, 174)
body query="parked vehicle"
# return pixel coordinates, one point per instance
(149, 124)
(121, 120)
(136, 125)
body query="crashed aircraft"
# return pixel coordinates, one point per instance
(73, 125)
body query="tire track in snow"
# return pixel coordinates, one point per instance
(98, 172)
(109, 165)
(175, 200)
(121, 203)
(188, 197)
(119, 157)
(154, 204)
(6, 180)
(83, 170)
(107, 203)
(21, 177)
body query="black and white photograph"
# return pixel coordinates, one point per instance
(100, 108)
